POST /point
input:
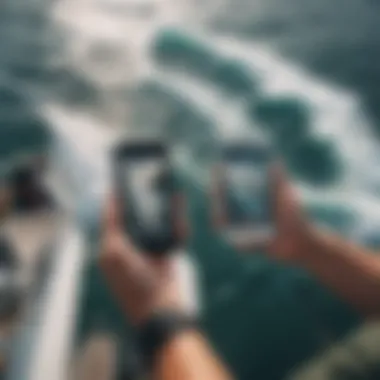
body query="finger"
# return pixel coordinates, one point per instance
(114, 216)
(278, 179)
(284, 197)
(179, 207)
(116, 243)
(288, 210)
(112, 220)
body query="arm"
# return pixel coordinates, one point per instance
(352, 272)
(188, 357)
(145, 288)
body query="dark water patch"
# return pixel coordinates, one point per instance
(27, 72)
(11, 99)
(247, 347)
(235, 78)
(173, 47)
(23, 136)
(286, 119)
(315, 161)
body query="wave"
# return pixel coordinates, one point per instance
(118, 57)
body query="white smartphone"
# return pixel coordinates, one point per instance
(244, 201)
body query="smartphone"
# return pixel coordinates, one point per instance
(145, 188)
(245, 204)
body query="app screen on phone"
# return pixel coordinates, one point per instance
(148, 197)
(247, 187)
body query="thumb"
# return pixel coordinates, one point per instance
(290, 217)
(112, 222)
(179, 215)
(285, 201)
(119, 259)
(115, 240)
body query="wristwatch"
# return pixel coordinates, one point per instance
(159, 329)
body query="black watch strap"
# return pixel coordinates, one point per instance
(159, 329)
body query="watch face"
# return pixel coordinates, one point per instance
(132, 367)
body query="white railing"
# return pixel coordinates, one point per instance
(43, 346)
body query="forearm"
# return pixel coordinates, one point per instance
(188, 357)
(351, 272)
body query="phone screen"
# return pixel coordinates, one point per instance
(142, 180)
(145, 185)
(246, 188)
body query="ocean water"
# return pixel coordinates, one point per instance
(337, 39)
(223, 68)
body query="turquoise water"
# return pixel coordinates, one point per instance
(337, 39)
(263, 318)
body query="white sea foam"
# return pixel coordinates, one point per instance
(127, 27)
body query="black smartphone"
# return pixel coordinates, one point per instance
(145, 188)
(245, 200)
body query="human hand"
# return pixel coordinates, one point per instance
(293, 232)
(141, 284)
